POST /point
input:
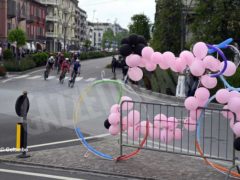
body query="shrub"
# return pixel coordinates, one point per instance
(40, 58)
(22, 65)
(7, 54)
(2, 71)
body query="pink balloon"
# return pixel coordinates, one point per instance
(147, 52)
(197, 68)
(154, 133)
(156, 58)
(236, 129)
(124, 123)
(234, 94)
(202, 94)
(234, 104)
(191, 103)
(143, 127)
(208, 82)
(133, 117)
(135, 73)
(202, 103)
(115, 108)
(227, 114)
(222, 96)
(169, 57)
(142, 62)
(133, 133)
(200, 50)
(194, 115)
(114, 118)
(177, 134)
(114, 130)
(179, 65)
(160, 121)
(133, 60)
(150, 66)
(166, 135)
(187, 56)
(126, 105)
(172, 123)
(190, 124)
(231, 68)
(211, 63)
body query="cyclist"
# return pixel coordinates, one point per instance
(50, 63)
(76, 68)
(60, 61)
(65, 68)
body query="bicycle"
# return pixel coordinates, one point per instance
(62, 76)
(71, 82)
(46, 72)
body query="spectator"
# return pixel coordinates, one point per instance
(1, 53)
(114, 64)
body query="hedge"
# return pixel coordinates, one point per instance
(2, 71)
(40, 58)
(7, 54)
(22, 65)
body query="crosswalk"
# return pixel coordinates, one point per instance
(39, 77)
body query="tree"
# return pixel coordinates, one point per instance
(17, 36)
(167, 26)
(108, 38)
(87, 44)
(166, 37)
(216, 21)
(140, 25)
(119, 36)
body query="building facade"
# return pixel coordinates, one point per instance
(60, 24)
(28, 15)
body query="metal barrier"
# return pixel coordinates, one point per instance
(215, 136)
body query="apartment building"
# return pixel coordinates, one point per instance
(28, 15)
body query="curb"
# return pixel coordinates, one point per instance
(24, 72)
(179, 100)
(76, 169)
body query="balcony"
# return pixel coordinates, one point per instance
(30, 19)
(51, 18)
(51, 35)
(40, 37)
(11, 9)
(22, 16)
(49, 2)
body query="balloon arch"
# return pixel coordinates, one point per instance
(200, 63)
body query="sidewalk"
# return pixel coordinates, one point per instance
(146, 165)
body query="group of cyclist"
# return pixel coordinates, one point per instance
(63, 65)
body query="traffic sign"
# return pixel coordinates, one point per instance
(22, 105)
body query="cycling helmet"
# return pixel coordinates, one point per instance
(67, 59)
(77, 60)
(51, 59)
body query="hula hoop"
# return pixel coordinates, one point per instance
(82, 138)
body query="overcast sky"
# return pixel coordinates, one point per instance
(119, 10)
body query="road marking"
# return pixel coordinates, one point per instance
(7, 80)
(90, 79)
(51, 77)
(67, 141)
(79, 78)
(20, 77)
(34, 77)
(38, 174)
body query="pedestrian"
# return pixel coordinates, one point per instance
(1, 53)
(114, 64)
(124, 69)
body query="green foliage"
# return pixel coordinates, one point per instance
(40, 58)
(119, 36)
(94, 54)
(7, 54)
(24, 64)
(2, 71)
(87, 44)
(108, 38)
(140, 25)
(216, 21)
(167, 26)
(17, 35)
(67, 54)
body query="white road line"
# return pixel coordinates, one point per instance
(20, 77)
(79, 78)
(34, 77)
(7, 80)
(51, 77)
(38, 174)
(90, 79)
(66, 78)
(67, 141)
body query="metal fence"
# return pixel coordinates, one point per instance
(214, 134)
